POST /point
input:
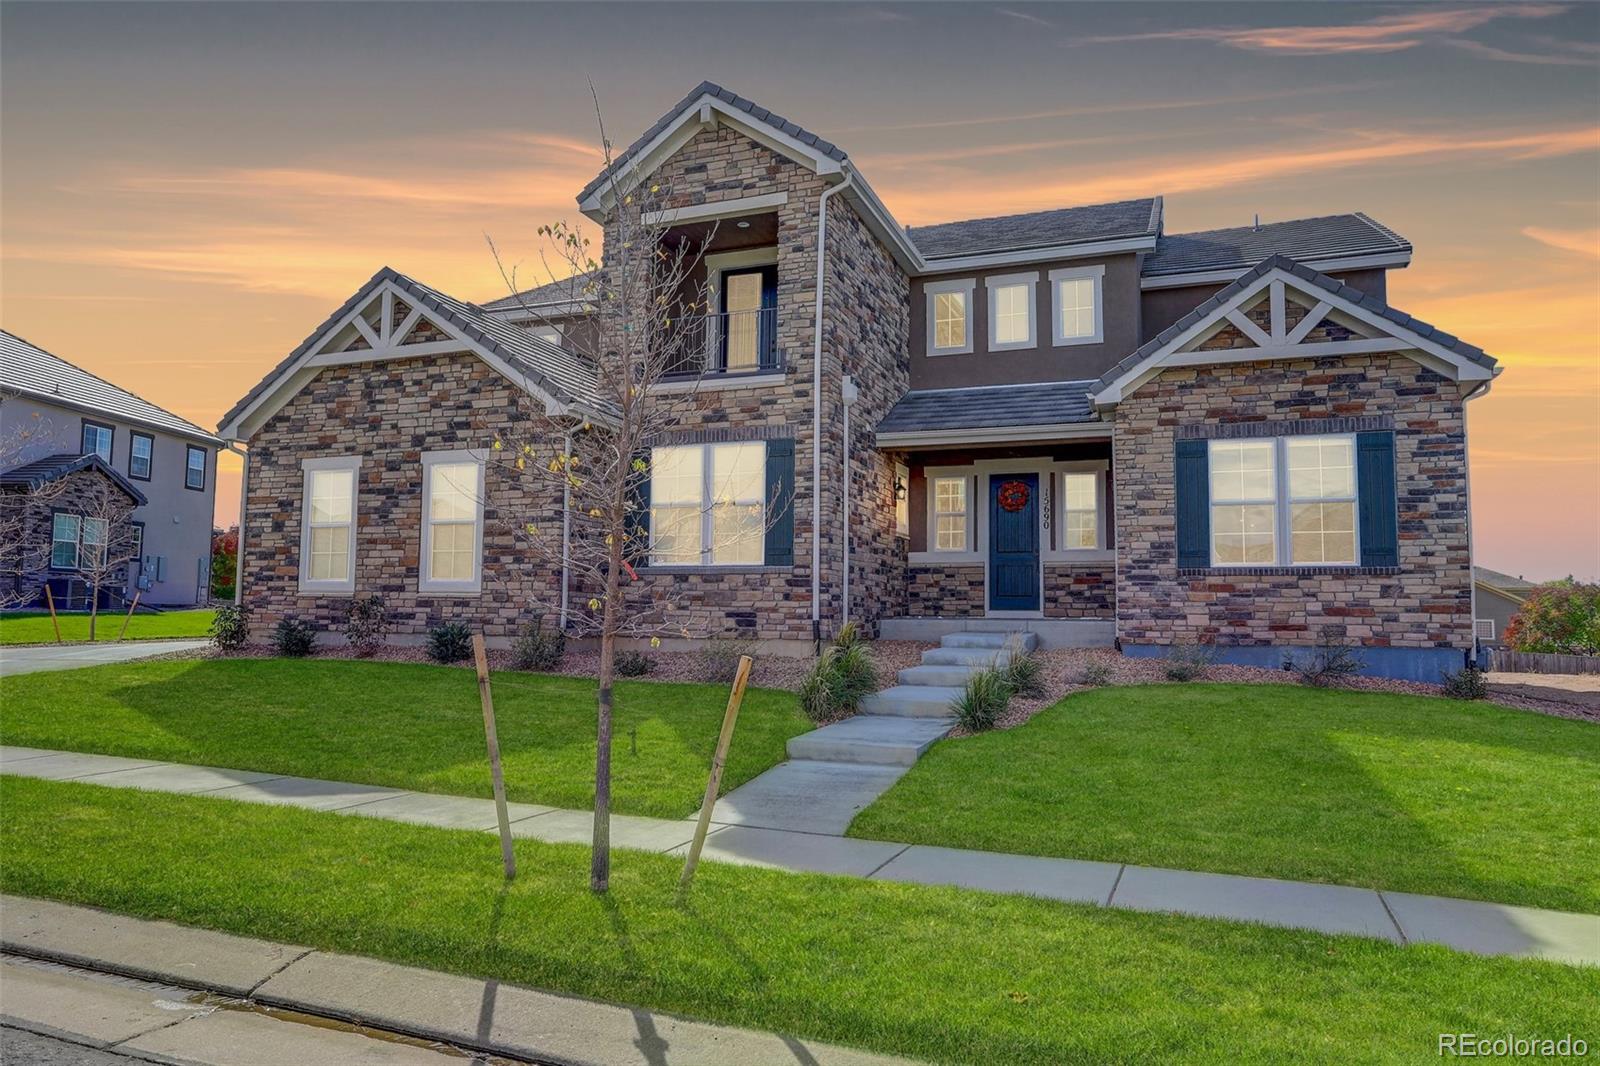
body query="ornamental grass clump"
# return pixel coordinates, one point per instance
(1095, 675)
(1334, 660)
(1189, 662)
(983, 701)
(1023, 676)
(840, 679)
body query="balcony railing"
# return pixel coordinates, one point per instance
(734, 342)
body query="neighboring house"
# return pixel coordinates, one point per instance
(54, 418)
(1499, 597)
(1068, 421)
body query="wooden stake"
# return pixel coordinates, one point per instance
(482, 662)
(134, 606)
(735, 698)
(50, 601)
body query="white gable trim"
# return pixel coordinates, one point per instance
(1280, 343)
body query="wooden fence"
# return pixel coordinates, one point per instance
(1537, 662)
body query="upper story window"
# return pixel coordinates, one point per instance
(328, 524)
(452, 522)
(194, 468)
(1011, 307)
(708, 504)
(949, 316)
(1285, 501)
(1077, 300)
(951, 514)
(97, 440)
(141, 455)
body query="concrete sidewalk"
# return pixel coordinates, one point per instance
(33, 658)
(464, 1012)
(1401, 918)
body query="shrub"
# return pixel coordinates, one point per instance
(634, 663)
(718, 658)
(1561, 617)
(983, 701)
(1467, 683)
(293, 638)
(231, 627)
(839, 680)
(1023, 676)
(538, 648)
(1096, 674)
(366, 623)
(1189, 662)
(450, 642)
(1330, 663)
(849, 636)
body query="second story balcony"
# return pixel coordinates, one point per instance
(730, 343)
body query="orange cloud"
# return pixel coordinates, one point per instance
(1582, 241)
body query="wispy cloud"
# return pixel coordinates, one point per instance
(1023, 16)
(1565, 57)
(1386, 33)
(1583, 241)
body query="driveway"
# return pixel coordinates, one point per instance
(31, 659)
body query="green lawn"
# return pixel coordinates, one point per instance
(1402, 792)
(407, 725)
(33, 627)
(937, 973)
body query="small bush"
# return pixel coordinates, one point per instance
(1096, 674)
(718, 658)
(293, 638)
(366, 623)
(231, 627)
(450, 642)
(1559, 617)
(1189, 662)
(1330, 663)
(839, 680)
(538, 648)
(634, 663)
(983, 701)
(1467, 683)
(1023, 676)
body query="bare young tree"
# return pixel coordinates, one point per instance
(24, 511)
(107, 539)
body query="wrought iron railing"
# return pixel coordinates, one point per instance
(733, 342)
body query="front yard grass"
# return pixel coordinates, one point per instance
(406, 725)
(1400, 792)
(937, 973)
(33, 627)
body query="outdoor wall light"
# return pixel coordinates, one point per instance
(899, 488)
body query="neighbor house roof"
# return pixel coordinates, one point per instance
(566, 294)
(1049, 404)
(1516, 586)
(1302, 239)
(41, 472)
(31, 371)
(1039, 229)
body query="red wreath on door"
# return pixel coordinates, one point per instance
(1013, 496)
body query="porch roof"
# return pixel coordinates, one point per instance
(991, 413)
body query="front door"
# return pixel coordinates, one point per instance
(1014, 542)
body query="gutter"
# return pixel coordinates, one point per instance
(816, 411)
(244, 485)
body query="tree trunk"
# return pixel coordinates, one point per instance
(94, 608)
(600, 857)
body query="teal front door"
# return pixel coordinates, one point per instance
(1014, 542)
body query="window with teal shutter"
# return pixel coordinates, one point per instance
(780, 502)
(1380, 532)
(1193, 492)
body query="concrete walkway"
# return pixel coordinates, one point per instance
(33, 658)
(1401, 918)
(464, 1012)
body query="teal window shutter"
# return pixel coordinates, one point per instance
(1375, 488)
(1194, 505)
(780, 502)
(638, 524)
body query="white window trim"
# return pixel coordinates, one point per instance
(1057, 276)
(1003, 281)
(549, 334)
(1098, 468)
(937, 288)
(426, 583)
(931, 477)
(1282, 503)
(707, 512)
(347, 586)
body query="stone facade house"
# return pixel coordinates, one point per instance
(1069, 422)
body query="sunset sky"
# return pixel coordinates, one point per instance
(189, 189)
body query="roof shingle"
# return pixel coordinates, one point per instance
(990, 407)
(1240, 248)
(1040, 229)
(40, 472)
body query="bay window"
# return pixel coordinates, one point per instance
(708, 504)
(452, 522)
(328, 524)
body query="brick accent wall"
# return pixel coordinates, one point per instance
(944, 591)
(1078, 590)
(1426, 604)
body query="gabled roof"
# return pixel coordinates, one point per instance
(1516, 586)
(31, 371)
(41, 472)
(1039, 229)
(545, 298)
(1342, 296)
(561, 375)
(1040, 407)
(1302, 239)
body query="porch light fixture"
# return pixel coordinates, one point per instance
(899, 488)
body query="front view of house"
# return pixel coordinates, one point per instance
(1066, 421)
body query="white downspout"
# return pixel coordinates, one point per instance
(849, 393)
(244, 497)
(816, 411)
(566, 531)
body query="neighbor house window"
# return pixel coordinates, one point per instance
(65, 529)
(949, 317)
(328, 527)
(1285, 501)
(708, 504)
(138, 542)
(141, 453)
(547, 333)
(452, 522)
(1076, 294)
(97, 440)
(1011, 311)
(1080, 503)
(92, 548)
(194, 469)
(950, 514)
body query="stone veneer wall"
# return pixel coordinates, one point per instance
(30, 516)
(947, 591)
(1425, 603)
(1080, 590)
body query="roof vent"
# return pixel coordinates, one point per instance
(1257, 226)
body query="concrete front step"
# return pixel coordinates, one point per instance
(941, 676)
(878, 739)
(966, 656)
(912, 701)
(1025, 641)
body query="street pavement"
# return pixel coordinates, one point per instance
(33, 658)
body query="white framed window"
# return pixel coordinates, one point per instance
(1076, 305)
(1287, 501)
(546, 333)
(65, 529)
(949, 316)
(1080, 511)
(328, 524)
(708, 504)
(452, 522)
(92, 548)
(194, 468)
(1011, 317)
(97, 439)
(952, 514)
(902, 500)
